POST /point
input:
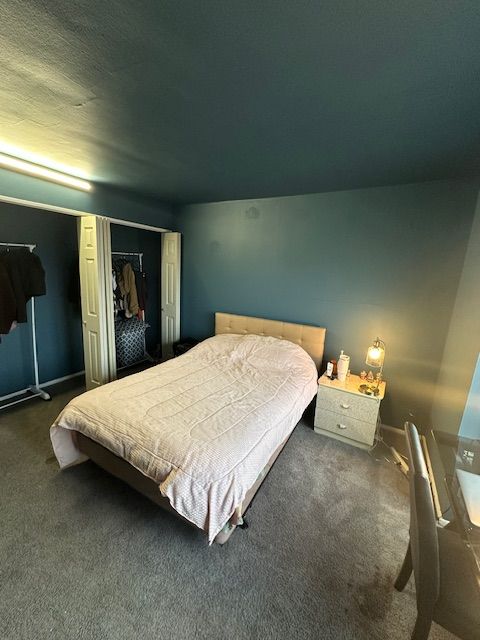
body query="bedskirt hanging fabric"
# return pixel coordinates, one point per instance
(130, 341)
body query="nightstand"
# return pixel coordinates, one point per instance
(342, 412)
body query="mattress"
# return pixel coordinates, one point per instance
(201, 426)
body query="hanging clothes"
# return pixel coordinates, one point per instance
(8, 303)
(26, 276)
(126, 298)
(141, 284)
(128, 290)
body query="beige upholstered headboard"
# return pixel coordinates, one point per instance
(310, 338)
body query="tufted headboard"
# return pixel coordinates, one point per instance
(310, 338)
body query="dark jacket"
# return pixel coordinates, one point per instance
(8, 304)
(27, 278)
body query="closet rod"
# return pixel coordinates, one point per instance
(127, 253)
(35, 388)
(31, 247)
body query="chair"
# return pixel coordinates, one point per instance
(446, 588)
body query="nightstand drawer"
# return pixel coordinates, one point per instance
(345, 426)
(348, 404)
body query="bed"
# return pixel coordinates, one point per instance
(199, 433)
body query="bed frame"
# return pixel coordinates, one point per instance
(310, 338)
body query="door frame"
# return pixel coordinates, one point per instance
(31, 204)
(166, 353)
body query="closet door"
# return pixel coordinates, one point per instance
(95, 287)
(170, 294)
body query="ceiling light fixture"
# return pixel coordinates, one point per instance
(38, 171)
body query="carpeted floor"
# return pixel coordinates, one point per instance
(83, 556)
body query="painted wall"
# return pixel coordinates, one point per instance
(457, 382)
(383, 261)
(101, 200)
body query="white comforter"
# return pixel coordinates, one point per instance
(203, 425)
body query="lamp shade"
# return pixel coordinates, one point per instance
(376, 354)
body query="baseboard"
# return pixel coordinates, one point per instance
(48, 383)
(15, 393)
(62, 379)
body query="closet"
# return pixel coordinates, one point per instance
(136, 296)
(70, 331)
(130, 285)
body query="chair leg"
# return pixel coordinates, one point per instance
(405, 571)
(422, 628)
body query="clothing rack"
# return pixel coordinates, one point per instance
(139, 255)
(34, 389)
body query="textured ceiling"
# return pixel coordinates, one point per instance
(201, 100)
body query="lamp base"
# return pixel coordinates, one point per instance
(369, 389)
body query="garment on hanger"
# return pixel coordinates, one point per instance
(141, 284)
(8, 303)
(128, 290)
(118, 302)
(27, 279)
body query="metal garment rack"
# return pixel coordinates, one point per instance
(34, 389)
(146, 356)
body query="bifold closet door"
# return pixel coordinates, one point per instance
(97, 305)
(170, 292)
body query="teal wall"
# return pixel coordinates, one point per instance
(58, 314)
(383, 261)
(456, 406)
(101, 200)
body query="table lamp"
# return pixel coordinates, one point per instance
(375, 358)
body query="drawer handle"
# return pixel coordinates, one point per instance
(345, 406)
(341, 426)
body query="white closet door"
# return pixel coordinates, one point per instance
(94, 245)
(170, 294)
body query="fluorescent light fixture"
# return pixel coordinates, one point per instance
(36, 158)
(38, 171)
